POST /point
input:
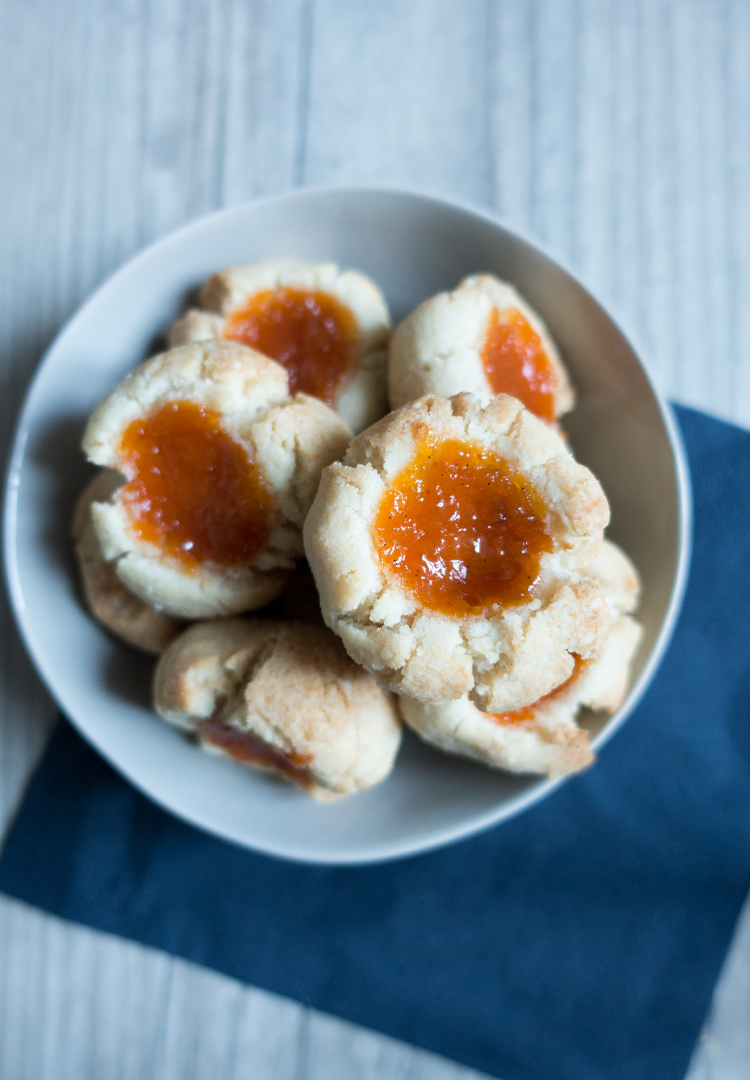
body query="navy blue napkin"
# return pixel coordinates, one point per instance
(579, 941)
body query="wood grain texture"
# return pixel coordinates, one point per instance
(76, 1003)
(617, 132)
(395, 96)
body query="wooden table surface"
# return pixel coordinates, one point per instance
(615, 131)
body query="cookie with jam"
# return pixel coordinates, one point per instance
(482, 338)
(451, 548)
(546, 737)
(218, 464)
(111, 603)
(328, 328)
(282, 697)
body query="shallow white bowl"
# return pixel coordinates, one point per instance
(413, 246)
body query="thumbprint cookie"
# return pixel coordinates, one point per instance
(482, 338)
(220, 465)
(545, 737)
(450, 552)
(283, 697)
(113, 605)
(329, 328)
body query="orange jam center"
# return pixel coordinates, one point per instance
(528, 712)
(248, 748)
(515, 363)
(193, 491)
(310, 333)
(461, 531)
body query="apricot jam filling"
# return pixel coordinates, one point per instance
(310, 333)
(193, 490)
(515, 363)
(461, 531)
(528, 712)
(249, 749)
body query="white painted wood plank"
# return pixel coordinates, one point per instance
(690, 148)
(555, 64)
(27, 321)
(738, 207)
(270, 1038)
(620, 140)
(95, 1007)
(655, 292)
(217, 1027)
(127, 991)
(724, 1050)
(398, 95)
(511, 93)
(339, 1050)
(268, 50)
(80, 1005)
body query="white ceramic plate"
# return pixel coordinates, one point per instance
(413, 246)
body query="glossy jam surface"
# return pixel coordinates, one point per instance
(515, 363)
(193, 491)
(247, 748)
(529, 711)
(461, 531)
(311, 333)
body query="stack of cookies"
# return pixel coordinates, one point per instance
(460, 581)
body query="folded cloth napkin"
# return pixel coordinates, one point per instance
(578, 941)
